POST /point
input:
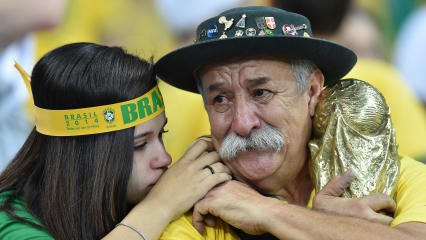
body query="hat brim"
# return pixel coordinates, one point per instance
(177, 68)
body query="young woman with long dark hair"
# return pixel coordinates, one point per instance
(89, 182)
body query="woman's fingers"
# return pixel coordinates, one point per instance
(213, 180)
(197, 148)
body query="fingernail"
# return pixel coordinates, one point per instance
(349, 173)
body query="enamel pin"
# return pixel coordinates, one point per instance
(212, 31)
(242, 22)
(227, 23)
(239, 33)
(250, 32)
(270, 22)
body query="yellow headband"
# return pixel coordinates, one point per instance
(99, 119)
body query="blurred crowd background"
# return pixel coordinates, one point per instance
(389, 37)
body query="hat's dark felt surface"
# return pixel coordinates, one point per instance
(177, 67)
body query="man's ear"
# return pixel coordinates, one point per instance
(316, 84)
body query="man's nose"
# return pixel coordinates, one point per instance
(244, 118)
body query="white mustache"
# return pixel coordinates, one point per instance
(266, 138)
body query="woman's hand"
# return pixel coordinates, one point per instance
(188, 180)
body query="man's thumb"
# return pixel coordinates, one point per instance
(337, 184)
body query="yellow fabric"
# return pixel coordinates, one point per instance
(187, 119)
(99, 119)
(407, 113)
(182, 229)
(134, 25)
(410, 194)
(410, 201)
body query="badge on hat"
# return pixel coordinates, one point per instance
(203, 33)
(242, 22)
(251, 32)
(289, 30)
(292, 30)
(228, 23)
(212, 31)
(261, 33)
(269, 32)
(260, 22)
(239, 33)
(270, 22)
(223, 36)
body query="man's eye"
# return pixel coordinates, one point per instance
(221, 99)
(221, 103)
(262, 95)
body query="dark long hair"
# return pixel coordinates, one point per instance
(76, 186)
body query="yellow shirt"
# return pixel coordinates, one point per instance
(410, 201)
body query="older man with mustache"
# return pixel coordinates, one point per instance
(261, 79)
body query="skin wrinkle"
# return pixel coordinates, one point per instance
(287, 110)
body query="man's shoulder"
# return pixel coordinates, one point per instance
(411, 168)
(182, 228)
(410, 197)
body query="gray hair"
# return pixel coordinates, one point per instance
(301, 69)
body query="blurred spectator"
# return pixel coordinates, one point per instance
(410, 52)
(185, 110)
(329, 20)
(182, 19)
(18, 19)
(340, 21)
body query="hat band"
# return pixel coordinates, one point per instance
(99, 119)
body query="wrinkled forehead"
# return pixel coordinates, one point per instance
(262, 66)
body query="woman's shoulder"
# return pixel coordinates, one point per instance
(11, 228)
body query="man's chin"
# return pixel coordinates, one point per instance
(255, 165)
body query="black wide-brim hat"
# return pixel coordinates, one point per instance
(252, 31)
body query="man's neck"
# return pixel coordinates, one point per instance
(299, 191)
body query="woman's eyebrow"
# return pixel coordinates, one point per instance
(143, 135)
(148, 133)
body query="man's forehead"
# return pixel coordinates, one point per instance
(250, 61)
(249, 68)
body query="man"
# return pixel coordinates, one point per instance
(260, 79)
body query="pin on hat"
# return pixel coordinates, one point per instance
(203, 33)
(178, 67)
(292, 30)
(227, 23)
(250, 32)
(260, 23)
(270, 22)
(212, 31)
(223, 36)
(242, 22)
(239, 33)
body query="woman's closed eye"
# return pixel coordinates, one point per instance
(140, 146)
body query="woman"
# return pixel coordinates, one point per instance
(82, 174)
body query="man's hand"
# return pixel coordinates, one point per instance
(235, 203)
(329, 200)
